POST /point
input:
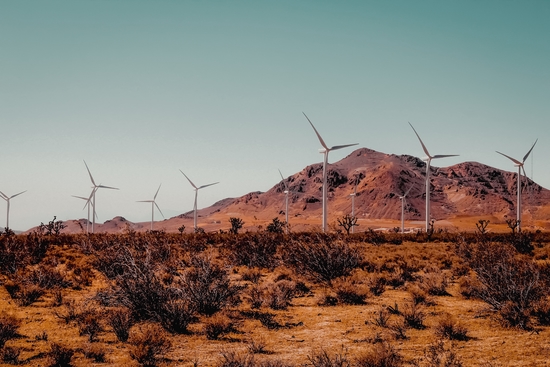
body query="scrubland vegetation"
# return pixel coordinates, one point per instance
(271, 299)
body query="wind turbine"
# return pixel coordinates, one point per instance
(325, 150)
(403, 199)
(8, 198)
(196, 194)
(428, 160)
(353, 203)
(88, 203)
(520, 167)
(153, 204)
(92, 195)
(286, 199)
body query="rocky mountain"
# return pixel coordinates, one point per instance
(464, 190)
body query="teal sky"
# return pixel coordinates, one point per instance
(141, 89)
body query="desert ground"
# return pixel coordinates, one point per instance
(264, 298)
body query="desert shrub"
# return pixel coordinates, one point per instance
(232, 358)
(469, 287)
(267, 319)
(217, 325)
(251, 274)
(438, 355)
(10, 355)
(82, 277)
(121, 320)
(510, 283)
(257, 346)
(398, 330)
(70, 312)
(23, 293)
(381, 355)
(377, 284)
(57, 297)
(59, 356)
(94, 352)
(413, 315)
(176, 315)
(349, 293)
(327, 299)
(256, 296)
(9, 325)
(322, 358)
(435, 283)
(89, 322)
(278, 296)
(46, 277)
(324, 260)
(512, 315)
(541, 311)
(42, 336)
(419, 295)
(206, 285)
(149, 344)
(381, 317)
(448, 327)
(254, 250)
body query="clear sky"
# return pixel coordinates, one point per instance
(141, 89)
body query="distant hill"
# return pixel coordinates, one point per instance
(468, 189)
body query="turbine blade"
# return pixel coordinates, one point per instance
(410, 188)
(18, 194)
(529, 152)
(203, 186)
(421, 142)
(144, 201)
(444, 156)
(4, 196)
(107, 187)
(79, 197)
(157, 192)
(336, 147)
(316, 132)
(191, 182)
(159, 210)
(91, 178)
(510, 158)
(282, 178)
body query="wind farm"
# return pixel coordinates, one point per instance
(409, 225)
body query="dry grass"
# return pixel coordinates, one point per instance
(273, 336)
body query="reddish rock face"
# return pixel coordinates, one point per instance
(465, 189)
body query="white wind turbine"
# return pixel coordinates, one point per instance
(8, 198)
(153, 204)
(196, 195)
(403, 199)
(286, 199)
(428, 160)
(92, 195)
(520, 167)
(88, 204)
(325, 150)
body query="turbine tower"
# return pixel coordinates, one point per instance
(286, 200)
(92, 195)
(520, 167)
(88, 203)
(353, 203)
(403, 199)
(153, 204)
(8, 198)
(428, 160)
(196, 195)
(325, 150)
